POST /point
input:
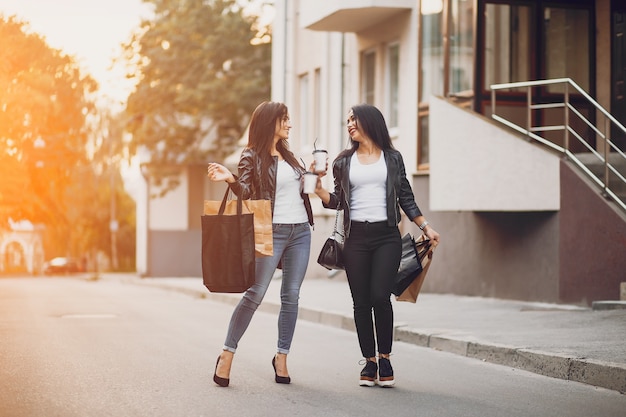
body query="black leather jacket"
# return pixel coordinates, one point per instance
(399, 192)
(252, 183)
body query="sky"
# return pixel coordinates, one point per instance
(90, 30)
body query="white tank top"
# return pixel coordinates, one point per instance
(288, 204)
(368, 197)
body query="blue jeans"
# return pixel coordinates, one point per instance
(292, 244)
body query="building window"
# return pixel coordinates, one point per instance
(368, 77)
(393, 86)
(507, 44)
(567, 45)
(461, 48)
(431, 75)
(431, 79)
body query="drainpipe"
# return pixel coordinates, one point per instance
(343, 77)
(285, 72)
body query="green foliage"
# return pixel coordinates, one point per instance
(60, 156)
(43, 107)
(201, 70)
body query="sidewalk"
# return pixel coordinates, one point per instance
(555, 340)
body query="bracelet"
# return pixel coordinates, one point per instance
(423, 225)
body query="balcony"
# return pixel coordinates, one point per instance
(349, 15)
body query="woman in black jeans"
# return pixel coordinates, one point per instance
(370, 187)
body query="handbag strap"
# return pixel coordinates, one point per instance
(336, 231)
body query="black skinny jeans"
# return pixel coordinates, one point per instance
(372, 255)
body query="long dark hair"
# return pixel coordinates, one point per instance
(261, 134)
(373, 124)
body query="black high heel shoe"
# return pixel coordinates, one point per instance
(222, 382)
(277, 378)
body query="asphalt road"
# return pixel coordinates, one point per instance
(74, 347)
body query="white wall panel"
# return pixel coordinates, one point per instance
(171, 211)
(476, 165)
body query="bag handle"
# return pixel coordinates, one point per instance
(223, 205)
(421, 254)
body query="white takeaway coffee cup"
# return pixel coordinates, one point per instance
(320, 156)
(310, 181)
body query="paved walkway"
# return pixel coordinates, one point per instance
(560, 341)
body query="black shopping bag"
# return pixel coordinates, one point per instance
(413, 253)
(228, 257)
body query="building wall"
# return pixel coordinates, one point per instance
(336, 58)
(476, 165)
(169, 242)
(592, 251)
(170, 212)
(492, 254)
(175, 253)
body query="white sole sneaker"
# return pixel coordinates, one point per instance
(386, 384)
(366, 383)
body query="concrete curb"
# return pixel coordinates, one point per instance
(600, 374)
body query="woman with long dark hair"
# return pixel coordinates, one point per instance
(371, 187)
(269, 170)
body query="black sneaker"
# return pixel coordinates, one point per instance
(368, 374)
(385, 373)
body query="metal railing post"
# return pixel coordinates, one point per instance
(529, 115)
(566, 118)
(607, 147)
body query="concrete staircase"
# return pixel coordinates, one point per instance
(597, 168)
(619, 188)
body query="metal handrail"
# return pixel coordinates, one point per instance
(568, 131)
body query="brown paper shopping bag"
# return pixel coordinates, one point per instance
(262, 209)
(228, 259)
(413, 290)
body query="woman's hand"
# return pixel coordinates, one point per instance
(320, 191)
(218, 172)
(430, 233)
(433, 235)
(319, 174)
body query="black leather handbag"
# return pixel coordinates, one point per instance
(331, 255)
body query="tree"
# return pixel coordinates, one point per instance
(202, 67)
(60, 155)
(42, 124)
(96, 199)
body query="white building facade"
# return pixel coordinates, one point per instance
(517, 219)
(428, 66)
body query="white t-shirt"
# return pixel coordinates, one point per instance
(368, 199)
(288, 204)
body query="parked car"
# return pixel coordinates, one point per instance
(61, 265)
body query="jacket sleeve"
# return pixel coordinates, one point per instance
(245, 176)
(335, 196)
(406, 198)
